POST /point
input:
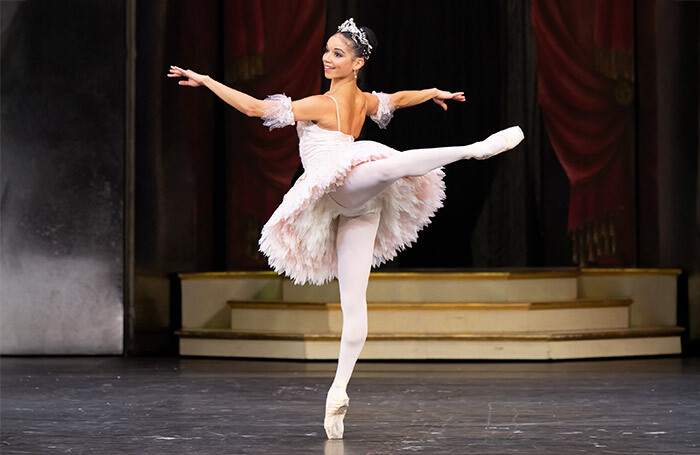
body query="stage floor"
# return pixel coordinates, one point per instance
(152, 406)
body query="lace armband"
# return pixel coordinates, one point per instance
(277, 112)
(385, 110)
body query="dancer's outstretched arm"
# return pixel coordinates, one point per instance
(317, 108)
(408, 98)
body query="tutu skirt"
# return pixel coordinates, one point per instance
(299, 239)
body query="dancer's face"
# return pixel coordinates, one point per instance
(338, 60)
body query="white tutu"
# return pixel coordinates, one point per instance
(299, 238)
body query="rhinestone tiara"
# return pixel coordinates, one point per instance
(358, 36)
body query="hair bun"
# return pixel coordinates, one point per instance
(371, 37)
(363, 37)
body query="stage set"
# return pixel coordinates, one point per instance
(551, 305)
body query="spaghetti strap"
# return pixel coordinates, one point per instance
(337, 111)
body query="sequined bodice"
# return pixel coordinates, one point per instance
(318, 146)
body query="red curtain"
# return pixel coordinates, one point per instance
(244, 36)
(274, 48)
(261, 48)
(585, 82)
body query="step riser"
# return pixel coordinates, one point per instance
(286, 321)
(435, 322)
(445, 290)
(411, 349)
(204, 302)
(654, 295)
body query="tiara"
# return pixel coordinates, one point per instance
(358, 36)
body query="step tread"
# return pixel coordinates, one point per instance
(413, 274)
(494, 306)
(451, 274)
(572, 335)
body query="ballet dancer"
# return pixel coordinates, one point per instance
(358, 203)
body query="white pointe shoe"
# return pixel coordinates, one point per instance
(483, 150)
(513, 136)
(337, 403)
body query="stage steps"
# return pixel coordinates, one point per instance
(432, 317)
(553, 314)
(550, 345)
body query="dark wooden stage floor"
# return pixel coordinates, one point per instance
(217, 406)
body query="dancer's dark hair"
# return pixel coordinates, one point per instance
(358, 49)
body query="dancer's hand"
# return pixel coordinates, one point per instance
(193, 79)
(443, 96)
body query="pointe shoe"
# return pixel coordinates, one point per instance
(513, 136)
(337, 403)
(483, 150)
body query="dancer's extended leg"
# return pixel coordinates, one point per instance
(369, 179)
(355, 245)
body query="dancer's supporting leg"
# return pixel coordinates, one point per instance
(355, 245)
(369, 179)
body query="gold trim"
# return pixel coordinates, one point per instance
(634, 332)
(428, 275)
(629, 271)
(438, 276)
(282, 305)
(582, 303)
(227, 275)
(449, 275)
(614, 63)
(472, 275)
(433, 306)
(542, 275)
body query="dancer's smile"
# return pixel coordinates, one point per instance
(338, 60)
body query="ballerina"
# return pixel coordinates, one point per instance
(358, 203)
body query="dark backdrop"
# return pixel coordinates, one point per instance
(491, 215)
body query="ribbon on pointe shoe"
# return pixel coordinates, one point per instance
(337, 403)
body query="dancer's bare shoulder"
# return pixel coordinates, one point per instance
(315, 108)
(372, 103)
(349, 101)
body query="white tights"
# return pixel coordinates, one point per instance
(355, 245)
(355, 241)
(369, 179)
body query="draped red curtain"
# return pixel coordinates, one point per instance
(244, 39)
(261, 48)
(274, 47)
(585, 67)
